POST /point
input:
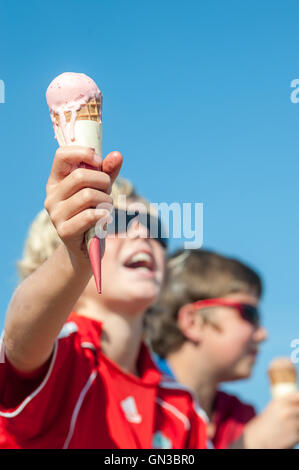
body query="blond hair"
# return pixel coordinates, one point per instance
(42, 239)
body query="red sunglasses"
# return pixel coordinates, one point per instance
(249, 312)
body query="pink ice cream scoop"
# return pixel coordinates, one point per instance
(75, 104)
(71, 90)
(67, 94)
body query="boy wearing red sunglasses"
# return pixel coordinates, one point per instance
(206, 330)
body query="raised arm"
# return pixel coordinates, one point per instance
(42, 303)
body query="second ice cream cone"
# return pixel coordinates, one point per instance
(283, 377)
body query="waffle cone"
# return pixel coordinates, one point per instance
(91, 111)
(282, 370)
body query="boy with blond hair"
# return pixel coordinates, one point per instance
(77, 373)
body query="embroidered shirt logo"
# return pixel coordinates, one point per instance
(130, 409)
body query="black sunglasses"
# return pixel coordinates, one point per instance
(251, 314)
(120, 223)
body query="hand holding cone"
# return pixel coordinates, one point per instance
(75, 104)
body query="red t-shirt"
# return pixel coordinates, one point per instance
(230, 417)
(81, 399)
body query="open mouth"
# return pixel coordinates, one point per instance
(140, 261)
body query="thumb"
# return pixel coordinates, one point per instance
(112, 165)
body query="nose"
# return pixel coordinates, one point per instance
(260, 334)
(137, 230)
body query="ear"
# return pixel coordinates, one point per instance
(190, 323)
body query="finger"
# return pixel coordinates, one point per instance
(75, 227)
(290, 401)
(79, 202)
(293, 398)
(79, 179)
(112, 164)
(68, 158)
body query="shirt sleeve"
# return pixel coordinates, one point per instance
(233, 417)
(18, 385)
(42, 404)
(243, 414)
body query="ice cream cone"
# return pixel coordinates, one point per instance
(75, 104)
(91, 111)
(81, 128)
(283, 377)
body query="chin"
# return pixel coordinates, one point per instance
(147, 294)
(240, 376)
(238, 373)
(132, 298)
(242, 373)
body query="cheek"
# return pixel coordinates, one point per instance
(160, 257)
(231, 341)
(111, 255)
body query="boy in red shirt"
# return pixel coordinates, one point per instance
(206, 330)
(87, 380)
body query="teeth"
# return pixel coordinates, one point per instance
(141, 257)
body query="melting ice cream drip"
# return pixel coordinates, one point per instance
(68, 93)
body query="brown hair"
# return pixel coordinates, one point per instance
(193, 275)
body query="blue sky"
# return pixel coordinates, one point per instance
(197, 98)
